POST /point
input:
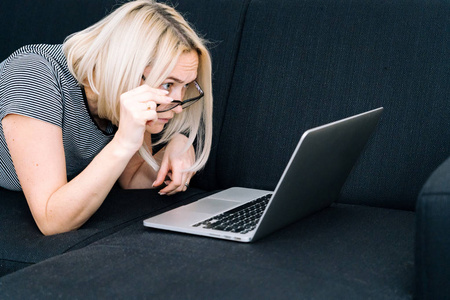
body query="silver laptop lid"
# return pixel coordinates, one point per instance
(317, 170)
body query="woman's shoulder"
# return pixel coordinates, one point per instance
(43, 50)
(40, 61)
(35, 71)
(37, 55)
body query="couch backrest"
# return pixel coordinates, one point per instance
(50, 21)
(281, 67)
(303, 63)
(221, 23)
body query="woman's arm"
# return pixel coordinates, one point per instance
(37, 152)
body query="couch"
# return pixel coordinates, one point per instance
(279, 68)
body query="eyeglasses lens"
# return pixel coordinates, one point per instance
(193, 94)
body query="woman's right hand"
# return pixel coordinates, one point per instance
(137, 107)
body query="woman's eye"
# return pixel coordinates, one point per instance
(166, 86)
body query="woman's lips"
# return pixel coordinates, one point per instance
(160, 120)
(164, 120)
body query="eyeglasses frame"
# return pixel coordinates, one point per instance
(180, 102)
(190, 100)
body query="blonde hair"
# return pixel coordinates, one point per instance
(111, 55)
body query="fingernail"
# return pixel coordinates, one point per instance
(162, 194)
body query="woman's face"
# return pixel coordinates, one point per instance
(184, 73)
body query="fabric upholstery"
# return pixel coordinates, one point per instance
(32, 22)
(280, 67)
(432, 238)
(220, 22)
(344, 252)
(304, 63)
(22, 243)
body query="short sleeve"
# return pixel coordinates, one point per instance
(29, 86)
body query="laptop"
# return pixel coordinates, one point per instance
(311, 181)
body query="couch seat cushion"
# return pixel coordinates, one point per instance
(22, 244)
(343, 252)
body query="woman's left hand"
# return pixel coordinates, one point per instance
(173, 163)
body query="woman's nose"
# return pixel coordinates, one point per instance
(178, 109)
(176, 94)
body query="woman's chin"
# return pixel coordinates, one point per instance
(153, 128)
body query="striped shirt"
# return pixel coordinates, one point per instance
(36, 82)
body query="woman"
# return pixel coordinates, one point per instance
(78, 117)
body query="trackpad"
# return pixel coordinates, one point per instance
(211, 206)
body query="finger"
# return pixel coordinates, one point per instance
(145, 88)
(149, 115)
(174, 185)
(159, 99)
(186, 184)
(150, 105)
(174, 188)
(147, 96)
(188, 180)
(177, 183)
(162, 174)
(185, 181)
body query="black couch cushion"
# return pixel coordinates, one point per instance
(303, 63)
(343, 252)
(22, 244)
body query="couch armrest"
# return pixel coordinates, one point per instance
(433, 236)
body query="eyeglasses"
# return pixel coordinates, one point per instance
(184, 103)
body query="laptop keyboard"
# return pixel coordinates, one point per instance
(241, 219)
